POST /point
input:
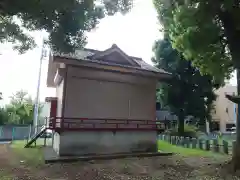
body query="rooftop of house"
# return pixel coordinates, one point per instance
(113, 56)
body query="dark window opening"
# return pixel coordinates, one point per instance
(230, 126)
(215, 126)
(158, 106)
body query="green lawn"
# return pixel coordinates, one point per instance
(166, 147)
(4, 176)
(32, 156)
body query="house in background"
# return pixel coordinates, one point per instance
(105, 102)
(165, 116)
(224, 115)
(170, 120)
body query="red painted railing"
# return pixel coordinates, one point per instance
(75, 124)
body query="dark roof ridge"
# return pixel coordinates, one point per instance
(95, 51)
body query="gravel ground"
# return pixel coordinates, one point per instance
(156, 168)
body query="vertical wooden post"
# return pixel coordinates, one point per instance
(161, 136)
(200, 144)
(182, 141)
(174, 140)
(177, 140)
(188, 142)
(225, 147)
(207, 147)
(215, 145)
(194, 143)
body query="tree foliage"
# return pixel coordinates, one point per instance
(189, 93)
(65, 21)
(205, 31)
(3, 116)
(19, 110)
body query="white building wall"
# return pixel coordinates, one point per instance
(225, 110)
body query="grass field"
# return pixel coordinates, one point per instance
(166, 147)
(33, 155)
(18, 162)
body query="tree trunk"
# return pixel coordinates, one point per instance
(236, 148)
(202, 124)
(232, 34)
(181, 123)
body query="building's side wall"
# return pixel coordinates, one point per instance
(59, 95)
(107, 142)
(97, 94)
(224, 111)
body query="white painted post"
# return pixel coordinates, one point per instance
(207, 127)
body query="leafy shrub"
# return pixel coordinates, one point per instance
(189, 131)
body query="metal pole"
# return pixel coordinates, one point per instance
(35, 118)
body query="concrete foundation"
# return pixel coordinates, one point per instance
(104, 142)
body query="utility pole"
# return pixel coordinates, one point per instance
(36, 105)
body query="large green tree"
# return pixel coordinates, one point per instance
(207, 33)
(189, 92)
(66, 21)
(20, 109)
(3, 116)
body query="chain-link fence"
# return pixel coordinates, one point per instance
(13, 132)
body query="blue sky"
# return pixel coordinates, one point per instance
(134, 33)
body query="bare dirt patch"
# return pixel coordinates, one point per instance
(162, 168)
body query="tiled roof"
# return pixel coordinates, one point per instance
(83, 54)
(165, 115)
